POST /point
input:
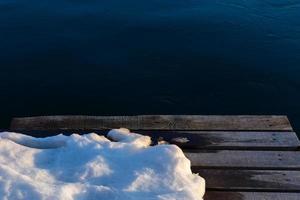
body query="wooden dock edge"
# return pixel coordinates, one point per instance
(155, 122)
(241, 157)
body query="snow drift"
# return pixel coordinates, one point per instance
(93, 167)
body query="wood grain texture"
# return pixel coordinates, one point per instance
(287, 160)
(218, 140)
(213, 195)
(207, 140)
(154, 122)
(218, 147)
(251, 180)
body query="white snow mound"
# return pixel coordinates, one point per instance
(92, 167)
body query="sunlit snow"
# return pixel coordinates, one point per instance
(123, 167)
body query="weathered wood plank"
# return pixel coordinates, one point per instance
(218, 140)
(154, 122)
(251, 180)
(208, 140)
(245, 159)
(214, 195)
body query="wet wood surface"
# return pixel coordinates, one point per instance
(226, 159)
(234, 140)
(251, 180)
(216, 195)
(206, 140)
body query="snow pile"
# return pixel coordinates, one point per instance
(93, 167)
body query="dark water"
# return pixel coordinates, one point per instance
(117, 57)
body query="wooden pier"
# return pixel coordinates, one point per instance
(240, 157)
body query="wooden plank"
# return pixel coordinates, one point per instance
(214, 195)
(208, 140)
(245, 159)
(218, 140)
(154, 122)
(251, 180)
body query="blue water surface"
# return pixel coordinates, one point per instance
(124, 57)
